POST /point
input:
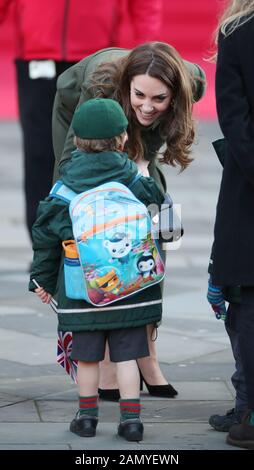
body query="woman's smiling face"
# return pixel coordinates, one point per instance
(149, 98)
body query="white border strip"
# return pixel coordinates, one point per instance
(102, 309)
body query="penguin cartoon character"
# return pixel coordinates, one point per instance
(119, 247)
(146, 266)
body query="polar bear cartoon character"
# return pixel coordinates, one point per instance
(119, 247)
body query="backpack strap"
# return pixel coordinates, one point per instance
(134, 180)
(61, 191)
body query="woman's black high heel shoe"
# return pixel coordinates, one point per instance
(163, 391)
(110, 394)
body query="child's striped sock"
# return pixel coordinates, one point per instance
(129, 408)
(88, 406)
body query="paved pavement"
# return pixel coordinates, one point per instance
(38, 400)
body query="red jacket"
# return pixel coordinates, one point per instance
(72, 29)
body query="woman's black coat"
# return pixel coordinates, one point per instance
(232, 260)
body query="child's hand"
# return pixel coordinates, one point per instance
(44, 296)
(216, 299)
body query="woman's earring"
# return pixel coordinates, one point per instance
(172, 104)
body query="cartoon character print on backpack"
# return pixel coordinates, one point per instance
(142, 267)
(146, 266)
(119, 247)
(117, 253)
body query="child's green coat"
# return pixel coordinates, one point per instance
(81, 173)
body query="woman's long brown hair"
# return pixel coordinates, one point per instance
(176, 127)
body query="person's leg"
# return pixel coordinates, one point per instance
(130, 427)
(126, 346)
(150, 371)
(35, 98)
(87, 349)
(156, 383)
(244, 324)
(128, 379)
(108, 377)
(88, 378)
(85, 422)
(149, 366)
(242, 435)
(237, 379)
(224, 422)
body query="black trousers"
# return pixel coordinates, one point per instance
(238, 378)
(241, 321)
(35, 99)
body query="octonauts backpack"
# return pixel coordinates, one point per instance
(114, 253)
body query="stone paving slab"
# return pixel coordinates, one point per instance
(196, 370)
(27, 349)
(34, 387)
(6, 310)
(24, 412)
(36, 324)
(7, 399)
(202, 368)
(165, 411)
(223, 357)
(170, 436)
(176, 348)
(9, 447)
(16, 371)
(202, 391)
(59, 387)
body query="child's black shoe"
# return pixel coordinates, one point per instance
(131, 429)
(84, 425)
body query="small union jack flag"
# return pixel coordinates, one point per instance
(64, 346)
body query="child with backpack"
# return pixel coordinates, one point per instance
(100, 134)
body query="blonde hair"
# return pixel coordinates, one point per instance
(115, 144)
(235, 14)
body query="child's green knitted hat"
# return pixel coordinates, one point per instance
(99, 118)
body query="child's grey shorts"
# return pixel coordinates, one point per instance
(125, 344)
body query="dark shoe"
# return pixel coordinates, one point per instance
(111, 394)
(242, 435)
(224, 422)
(164, 391)
(131, 429)
(84, 425)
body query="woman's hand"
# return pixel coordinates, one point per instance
(43, 295)
(143, 166)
